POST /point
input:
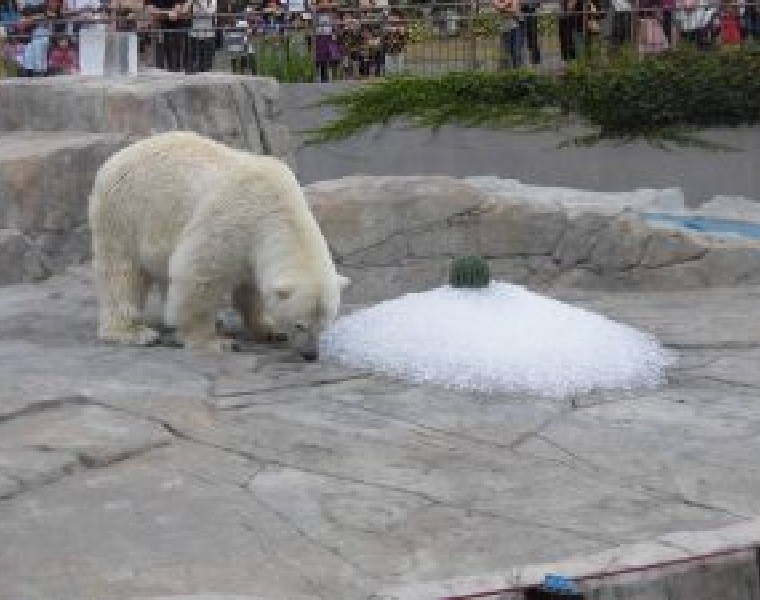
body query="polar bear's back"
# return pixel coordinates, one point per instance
(146, 195)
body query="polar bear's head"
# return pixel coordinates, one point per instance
(303, 309)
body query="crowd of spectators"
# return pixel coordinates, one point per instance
(41, 36)
(649, 25)
(364, 40)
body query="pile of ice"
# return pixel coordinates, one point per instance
(496, 339)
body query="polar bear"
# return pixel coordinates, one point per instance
(205, 222)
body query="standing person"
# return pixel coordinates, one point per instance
(350, 42)
(202, 40)
(530, 30)
(694, 18)
(239, 43)
(566, 27)
(82, 14)
(651, 34)
(667, 19)
(511, 31)
(326, 49)
(395, 44)
(171, 19)
(751, 21)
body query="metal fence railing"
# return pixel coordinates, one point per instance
(352, 43)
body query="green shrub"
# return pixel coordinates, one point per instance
(286, 63)
(470, 99)
(623, 96)
(634, 96)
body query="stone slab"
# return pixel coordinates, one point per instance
(253, 474)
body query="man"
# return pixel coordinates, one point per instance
(530, 29)
(82, 14)
(171, 18)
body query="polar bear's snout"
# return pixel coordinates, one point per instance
(305, 343)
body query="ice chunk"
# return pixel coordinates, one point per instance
(500, 338)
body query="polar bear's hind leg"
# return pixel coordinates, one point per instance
(123, 289)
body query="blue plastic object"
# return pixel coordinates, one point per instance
(559, 584)
(706, 225)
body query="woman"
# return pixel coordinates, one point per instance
(326, 49)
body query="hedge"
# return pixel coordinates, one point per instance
(665, 96)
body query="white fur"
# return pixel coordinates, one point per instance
(202, 220)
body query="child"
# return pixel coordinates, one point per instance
(728, 23)
(62, 59)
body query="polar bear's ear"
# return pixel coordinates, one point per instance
(344, 281)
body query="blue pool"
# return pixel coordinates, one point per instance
(706, 225)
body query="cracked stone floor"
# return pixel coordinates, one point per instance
(137, 473)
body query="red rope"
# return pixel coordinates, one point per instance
(605, 574)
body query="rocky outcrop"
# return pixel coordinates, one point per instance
(45, 180)
(242, 112)
(398, 234)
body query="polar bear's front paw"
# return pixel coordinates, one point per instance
(135, 334)
(215, 344)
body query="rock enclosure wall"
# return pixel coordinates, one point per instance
(396, 235)
(243, 112)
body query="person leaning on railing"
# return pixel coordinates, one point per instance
(171, 18)
(83, 14)
(202, 38)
